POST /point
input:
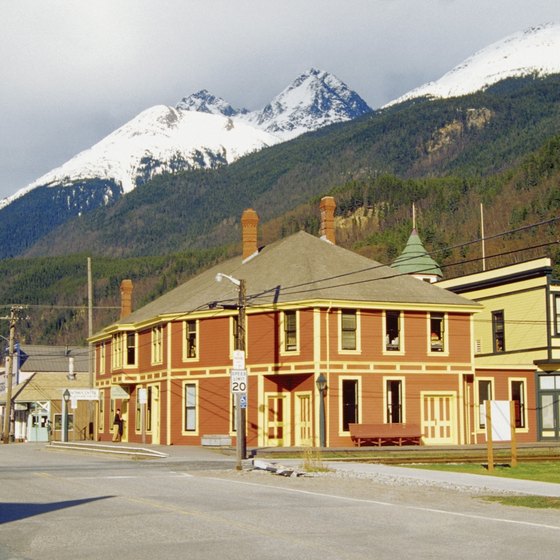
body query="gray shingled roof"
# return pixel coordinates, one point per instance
(299, 268)
(54, 358)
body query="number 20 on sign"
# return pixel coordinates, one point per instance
(238, 378)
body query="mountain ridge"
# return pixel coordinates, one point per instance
(202, 130)
(535, 50)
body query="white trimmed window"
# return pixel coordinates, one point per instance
(190, 344)
(191, 412)
(517, 393)
(437, 332)
(117, 351)
(485, 390)
(393, 340)
(157, 344)
(289, 339)
(349, 403)
(394, 401)
(131, 343)
(349, 330)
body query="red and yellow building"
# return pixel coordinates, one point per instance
(392, 348)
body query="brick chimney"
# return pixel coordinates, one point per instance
(126, 298)
(327, 208)
(249, 224)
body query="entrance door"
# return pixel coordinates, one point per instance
(154, 413)
(38, 426)
(438, 418)
(124, 416)
(277, 421)
(303, 420)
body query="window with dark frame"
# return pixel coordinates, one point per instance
(437, 332)
(190, 407)
(394, 401)
(518, 398)
(498, 331)
(130, 348)
(348, 327)
(290, 331)
(349, 403)
(484, 394)
(557, 314)
(149, 410)
(191, 339)
(392, 330)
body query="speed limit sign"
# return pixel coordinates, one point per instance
(238, 379)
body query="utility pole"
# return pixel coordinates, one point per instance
(9, 366)
(241, 321)
(91, 404)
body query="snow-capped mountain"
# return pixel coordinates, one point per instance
(202, 131)
(315, 99)
(160, 139)
(533, 51)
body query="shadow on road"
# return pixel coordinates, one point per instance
(11, 511)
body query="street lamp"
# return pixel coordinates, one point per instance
(240, 413)
(322, 388)
(66, 398)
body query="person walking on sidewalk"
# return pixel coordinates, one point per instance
(117, 426)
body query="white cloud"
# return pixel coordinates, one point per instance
(74, 71)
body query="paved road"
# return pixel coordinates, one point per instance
(59, 505)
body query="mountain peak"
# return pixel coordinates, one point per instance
(533, 51)
(203, 101)
(314, 99)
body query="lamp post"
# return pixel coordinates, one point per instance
(65, 398)
(322, 388)
(240, 413)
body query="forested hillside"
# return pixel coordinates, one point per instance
(374, 215)
(470, 137)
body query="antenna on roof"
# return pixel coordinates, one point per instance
(413, 216)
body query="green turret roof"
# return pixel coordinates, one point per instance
(415, 259)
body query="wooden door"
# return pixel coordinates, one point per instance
(154, 414)
(277, 421)
(439, 418)
(303, 420)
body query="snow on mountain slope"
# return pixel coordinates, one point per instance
(315, 99)
(533, 51)
(158, 139)
(204, 130)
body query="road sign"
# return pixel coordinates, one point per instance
(243, 400)
(238, 380)
(84, 395)
(238, 359)
(142, 396)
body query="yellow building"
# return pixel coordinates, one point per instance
(517, 344)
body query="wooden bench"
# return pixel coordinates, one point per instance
(385, 434)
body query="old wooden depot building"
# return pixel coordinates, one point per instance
(393, 349)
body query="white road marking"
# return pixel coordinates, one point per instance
(415, 508)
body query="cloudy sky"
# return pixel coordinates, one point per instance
(74, 70)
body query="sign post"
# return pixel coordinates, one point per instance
(500, 426)
(238, 384)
